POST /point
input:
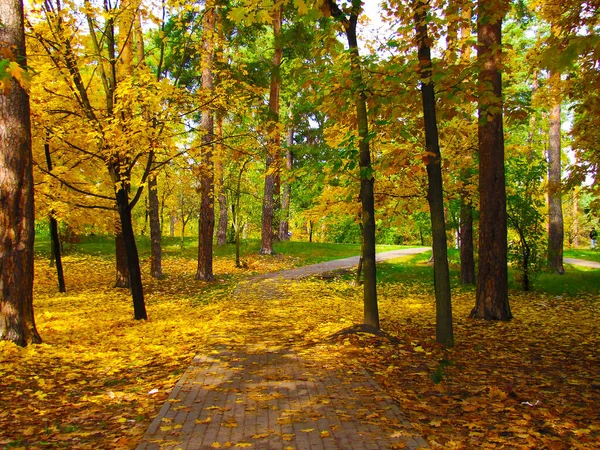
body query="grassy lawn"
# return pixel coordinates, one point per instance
(583, 253)
(302, 252)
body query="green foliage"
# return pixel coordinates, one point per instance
(344, 231)
(524, 202)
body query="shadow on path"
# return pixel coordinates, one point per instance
(265, 392)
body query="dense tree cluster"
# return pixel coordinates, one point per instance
(270, 118)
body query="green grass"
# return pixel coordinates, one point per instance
(305, 252)
(410, 270)
(579, 253)
(575, 281)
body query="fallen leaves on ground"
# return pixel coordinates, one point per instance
(100, 377)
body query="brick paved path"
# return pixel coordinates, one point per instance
(267, 394)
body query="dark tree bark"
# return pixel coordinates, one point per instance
(54, 238)
(133, 261)
(17, 227)
(155, 233)
(371, 310)
(435, 195)
(206, 226)
(273, 147)
(555, 212)
(467, 261)
(122, 268)
(284, 225)
(492, 283)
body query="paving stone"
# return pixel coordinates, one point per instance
(276, 398)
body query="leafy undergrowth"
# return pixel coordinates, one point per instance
(100, 377)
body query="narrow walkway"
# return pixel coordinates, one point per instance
(582, 262)
(270, 393)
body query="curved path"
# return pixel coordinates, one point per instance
(269, 392)
(582, 262)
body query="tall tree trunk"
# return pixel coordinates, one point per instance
(223, 209)
(371, 310)
(56, 251)
(154, 210)
(492, 284)
(273, 147)
(555, 213)
(435, 195)
(576, 217)
(467, 261)
(284, 225)
(133, 261)
(155, 233)
(17, 228)
(207, 209)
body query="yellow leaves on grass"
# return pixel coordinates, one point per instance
(100, 377)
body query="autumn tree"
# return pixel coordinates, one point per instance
(273, 137)
(555, 212)
(102, 84)
(492, 284)
(435, 197)
(207, 169)
(17, 226)
(349, 21)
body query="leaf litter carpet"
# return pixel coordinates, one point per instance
(264, 387)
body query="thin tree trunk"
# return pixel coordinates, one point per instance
(207, 209)
(284, 225)
(435, 195)
(371, 310)
(467, 261)
(172, 221)
(273, 147)
(155, 234)
(492, 283)
(555, 213)
(56, 253)
(310, 230)
(576, 217)
(133, 261)
(154, 210)
(236, 218)
(17, 227)
(223, 209)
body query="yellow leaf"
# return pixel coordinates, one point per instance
(216, 445)
(260, 436)
(307, 430)
(243, 444)
(324, 433)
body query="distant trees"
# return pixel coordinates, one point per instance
(191, 116)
